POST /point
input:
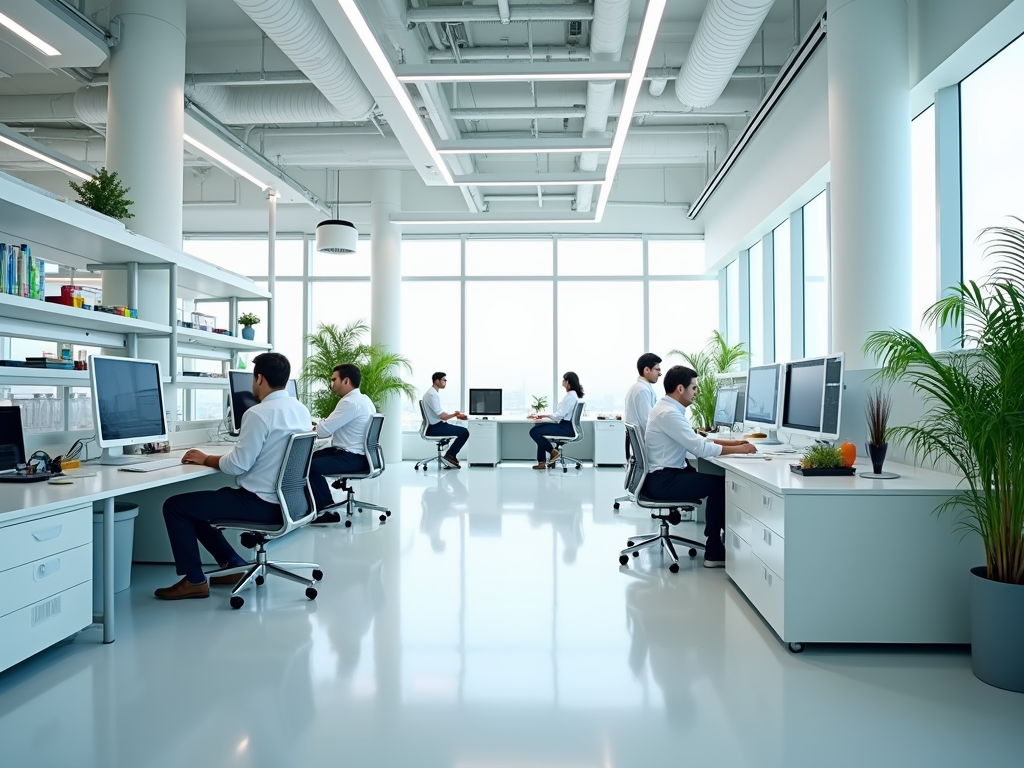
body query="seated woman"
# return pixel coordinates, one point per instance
(562, 418)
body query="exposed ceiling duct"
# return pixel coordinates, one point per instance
(725, 32)
(473, 13)
(298, 30)
(264, 104)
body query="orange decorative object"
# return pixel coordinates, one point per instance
(849, 453)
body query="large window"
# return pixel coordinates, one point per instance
(925, 259)
(601, 257)
(732, 303)
(683, 313)
(816, 278)
(511, 258)
(431, 340)
(783, 293)
(757, 304)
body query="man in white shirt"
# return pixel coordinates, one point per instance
(256, 463)
(346, 426)
(641, 396)
(669, 437)
(437, 425)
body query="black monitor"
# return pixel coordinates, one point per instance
(726, 412)
(485, 402)
(128, 403)
(813, 396)
(240, 396)
(763, 396)
(12, 438)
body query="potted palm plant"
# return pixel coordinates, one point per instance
(975, 423)
(331, 346)
(716, 357)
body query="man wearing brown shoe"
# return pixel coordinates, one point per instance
(255, 461)
(437, 420)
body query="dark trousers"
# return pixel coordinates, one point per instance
(444, 429)
(544, 445)
(188, 515)
(671, 484)
(332, 461)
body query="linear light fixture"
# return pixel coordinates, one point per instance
(644, 46)
(221, 160)
(571, 180)
(483, 219)
(359, 24)
(45, 158)
(34, 40)
(513, 73)
(522, 146)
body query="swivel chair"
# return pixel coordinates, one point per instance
(375, 460)
(627, 483)
(561, 440)
(663, 538)
(441, 441)
(297, 510)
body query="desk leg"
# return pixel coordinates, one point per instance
(108, 570)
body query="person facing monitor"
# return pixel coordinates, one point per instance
(763, 399)
(128, 404)
(437, 420)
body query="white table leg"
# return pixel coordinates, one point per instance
(108, 570)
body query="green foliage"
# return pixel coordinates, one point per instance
(716, 357)
(822, 457)
(330, 346)
(248, 319)
(539, 403)
(878, 409)
(105, 194)
(974, 400)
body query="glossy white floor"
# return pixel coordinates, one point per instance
(488, 624)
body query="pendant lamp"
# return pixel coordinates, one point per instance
(336, 236)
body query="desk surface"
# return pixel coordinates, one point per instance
(521, 418)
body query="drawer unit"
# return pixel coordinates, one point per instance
(767, 594)
(738, 561)
(609, 441)
(768, 546)
(769, 508)
(738, 521)
(36, 539)
(32, 582)
(737, 492)
(38, 626)
(483, 446)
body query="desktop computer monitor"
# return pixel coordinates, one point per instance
(764, 385)
(293, 388)
(12, 438)
(240, 397)
(726, 403)
(812, 401)
(485, 402)
(128, 403)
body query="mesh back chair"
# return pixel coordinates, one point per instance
(628, 482)
(662, 538)
(297, 510)
(375, 460)
(561, 440)
(442, 442)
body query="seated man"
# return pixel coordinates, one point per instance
(436, 420)
(346, 426)
(256, 462)
(668, 438)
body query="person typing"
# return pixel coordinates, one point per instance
(437, 420)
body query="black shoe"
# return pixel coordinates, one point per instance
(326, 518)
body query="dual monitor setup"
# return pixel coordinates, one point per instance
(802, 396)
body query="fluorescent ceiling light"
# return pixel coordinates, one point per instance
(46, 159)
(369, 40)
(221, 160)
(644, 46)
(484, 220)
(513, 77)
(538, 150)
(481, 180)
(28, 37)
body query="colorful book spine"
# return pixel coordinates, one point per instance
(3, 267)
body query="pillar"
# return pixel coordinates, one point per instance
(869, 136)
(386, 290)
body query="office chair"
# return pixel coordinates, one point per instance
(375, 460)
(662, 538)
(297, 510)
(561, 440)
(442, 442)
(627, 483)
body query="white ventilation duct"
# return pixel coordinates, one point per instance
(723, 36)
(607, 33)
(250, 105)
(300, 32)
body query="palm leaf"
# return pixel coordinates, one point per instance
(716, 357)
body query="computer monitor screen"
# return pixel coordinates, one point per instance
(12, 438)
(293, 388)
(241, 396)
(725, 407)
(485, 402)
(763, 395)
(805, 388)
(128, 401)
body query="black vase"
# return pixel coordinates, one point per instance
(877, 454)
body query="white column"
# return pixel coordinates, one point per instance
(869, 134)
(386, 290)
(145, 107)
(272, 273)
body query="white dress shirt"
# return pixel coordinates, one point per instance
(257, 457)
(346, 426)
(432, 405)
(670, 437)
(565, 408)
(639, 401)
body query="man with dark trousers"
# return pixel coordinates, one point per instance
(437, 420)
(346, 426)
(256, 463)
(668, 438)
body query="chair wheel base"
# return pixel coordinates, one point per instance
(311, 593)
(674, 567)
(237, 602)
(693, 552)
(383, 519)
(615, 506)
(260, 581)
(623, 559)
(348, 523)
(317, 574)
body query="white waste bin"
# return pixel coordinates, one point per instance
(124, 533)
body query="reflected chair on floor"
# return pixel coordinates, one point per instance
(559, 441)
(297, 510)
(375, 460)
(675, 511)
(441, 441)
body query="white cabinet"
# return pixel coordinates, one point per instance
(609, 442)
(484, 442)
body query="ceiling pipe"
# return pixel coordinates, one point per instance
(512, 53)
(469, 13)
(517, 113)
(503, 12)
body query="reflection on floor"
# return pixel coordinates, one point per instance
(488, 624)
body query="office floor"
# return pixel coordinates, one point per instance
(488, 624)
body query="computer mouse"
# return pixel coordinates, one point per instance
(60, 481)
(756, 435)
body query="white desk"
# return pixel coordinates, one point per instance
(507, 438)
(847, 559)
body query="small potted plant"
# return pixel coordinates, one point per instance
(878, 409)
(539, 403)
(105, 194)
(247, 321)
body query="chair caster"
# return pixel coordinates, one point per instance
(796, 647)
(260, 581)
(674, 568)
(317, 574)
(383, 519)
(424, 467)
(615, 506)
(237, 602)
(416, 468)
(348, 523)
(636, 554)
(623, 559)
(579, 466)
(565, 470)
(311, 593)
(629, 543)
(693, 552)
(387, 512)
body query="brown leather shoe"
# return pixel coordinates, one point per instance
(183, 590)
(542, 465)
(553, 457)
(452, 460)
(226, 581)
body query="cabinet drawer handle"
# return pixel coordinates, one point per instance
(766, 502)
(45, 534)
(766, 536)
(732, 484)
(47, 569)
(767, 576)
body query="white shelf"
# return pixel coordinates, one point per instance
(201, 382)
(31, 310)
(61, 231)
(42, 377)
(188, 336)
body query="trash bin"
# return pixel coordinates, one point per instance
(124, 533)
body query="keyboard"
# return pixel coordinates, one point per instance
(152, 466)
(745, 456)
